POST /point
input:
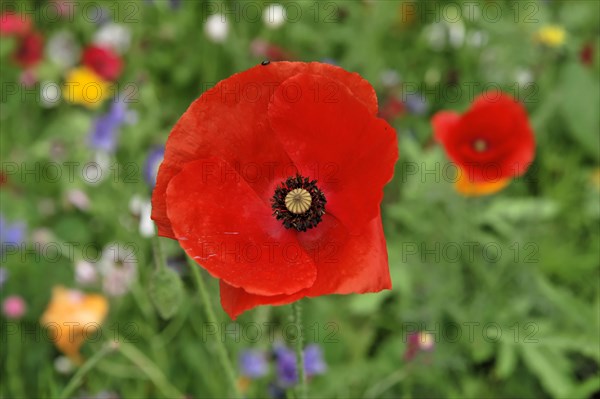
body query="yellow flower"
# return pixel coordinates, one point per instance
(474, 189)
(551, 35)
(83, 86)
(71, 317)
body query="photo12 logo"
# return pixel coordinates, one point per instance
(472, 331)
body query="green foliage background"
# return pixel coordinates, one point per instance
(524, 323)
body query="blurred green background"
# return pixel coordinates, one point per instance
(506, 286)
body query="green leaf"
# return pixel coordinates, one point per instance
(166, 292)
(507, 360)
(523, 209)
(550, 366)
(581, 101)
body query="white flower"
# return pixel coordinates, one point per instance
(274, 16)
(85, 273)
(456, 33)
(523, 77)
(63, 365)
(143, 209)
(50, 94)
(135, 204)
(146, 223)
(441, 34)
(116, 36)
(118, 266)
(436, 36)
(78, 199)
(97, 170)
(477, 38)
(62, 49)
(390, 78)
(216, 28)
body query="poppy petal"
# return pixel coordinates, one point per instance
(443, 122)
(357, 265)
(470, 188)
(230, 121)
(222, 223)
(333, 138)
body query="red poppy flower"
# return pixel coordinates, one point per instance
(14, 24)
(30, 50)
(490, 142)
(272, 182)
(105, 62)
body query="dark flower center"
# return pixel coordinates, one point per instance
(298, 203)
(480, 145)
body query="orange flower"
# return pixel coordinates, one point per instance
(73, 316)
(474, 189)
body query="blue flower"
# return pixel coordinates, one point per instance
(106, 128)
(153, 161)
(286, 364)
(11, 234)
(253, 364)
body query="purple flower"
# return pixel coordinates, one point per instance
(286, 364)
(253, 364)
(3, 276)
(106, 128)
(11, 234)
(415, 104)
(313, 360)
(153, 161)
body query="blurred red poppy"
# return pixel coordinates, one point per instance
(272, 182)
(14, 24)
(105, 62)
(490, 142)
(30, 50)
(586, 54)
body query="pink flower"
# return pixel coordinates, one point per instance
(12, 24)
(14, 307)
(418, 342)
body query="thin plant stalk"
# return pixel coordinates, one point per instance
(212, 319)
(297, 320)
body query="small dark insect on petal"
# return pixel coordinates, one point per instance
(265, 62)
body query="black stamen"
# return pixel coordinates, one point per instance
(304, 221)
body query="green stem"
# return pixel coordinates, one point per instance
(297, 320)
(212, 319)
(150, 369)
(83, 370)
(159, 257)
